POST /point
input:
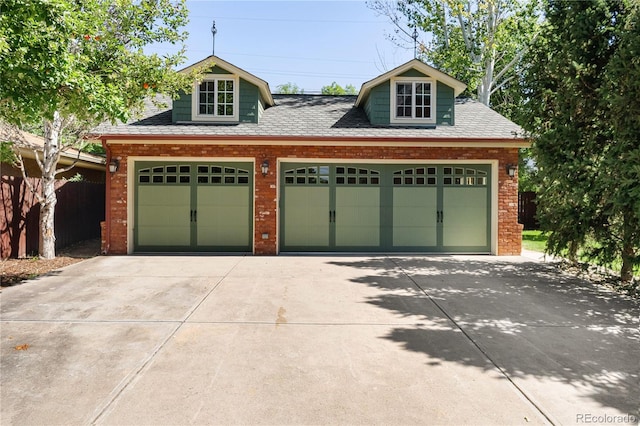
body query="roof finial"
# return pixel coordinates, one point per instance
(213, 32)
(414, 36)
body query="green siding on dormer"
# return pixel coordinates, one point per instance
(378, 104)
(445, 105)
(249, 103)
(217, 70)
(412, 73)
(181, 108)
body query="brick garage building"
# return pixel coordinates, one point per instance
(405, 166)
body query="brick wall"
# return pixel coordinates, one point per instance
(509, 230)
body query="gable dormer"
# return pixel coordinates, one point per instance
(225, 94)
(413, 94)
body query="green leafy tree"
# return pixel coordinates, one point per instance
(583, 112)
(336, 90)
(480, 42)
(289, 89)
(72, 64)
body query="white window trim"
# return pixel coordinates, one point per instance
(408, 120)
(195, 100)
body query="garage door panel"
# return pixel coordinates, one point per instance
(415, 217)
(357, 217)
(306, 215)
(223, 216)
(173, 236)
(465, 217)
(163, 214)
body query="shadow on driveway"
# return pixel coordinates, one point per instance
(559, 339)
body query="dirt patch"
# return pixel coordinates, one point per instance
(15, 271)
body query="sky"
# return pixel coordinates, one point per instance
(307, 43)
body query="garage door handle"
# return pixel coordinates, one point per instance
(194, 215)
(332, 216)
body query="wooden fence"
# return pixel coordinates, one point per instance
(79, 211)
(527, 210)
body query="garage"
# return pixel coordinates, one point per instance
(193, 206)
(385, 207)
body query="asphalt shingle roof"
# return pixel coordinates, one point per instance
(324, 117)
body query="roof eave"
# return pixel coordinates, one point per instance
(457, 85)
(514, 142)
(262, 85)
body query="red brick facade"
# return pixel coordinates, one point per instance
(266, 195)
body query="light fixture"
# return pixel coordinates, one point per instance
(114, 165)
(265, 167)
(511, 170)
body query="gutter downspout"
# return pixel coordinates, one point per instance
(107, 213)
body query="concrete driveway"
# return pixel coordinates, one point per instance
(317, 340)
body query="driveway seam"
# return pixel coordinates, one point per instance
(474, 343)
(128, 380)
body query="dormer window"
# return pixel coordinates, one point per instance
(413, 101)
(215, 98)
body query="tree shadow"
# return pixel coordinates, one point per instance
(530, 320)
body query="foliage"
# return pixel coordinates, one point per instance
(335, 89)
(479, 42)
(527, 171)
(71, 65)
(583, 111)
(7, 155)
(289, 89)
(85, 59)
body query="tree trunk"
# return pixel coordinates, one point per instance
(51, 154)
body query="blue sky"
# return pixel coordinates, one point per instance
(308, 43)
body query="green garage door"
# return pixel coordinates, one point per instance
(193, 206)
(410, 208)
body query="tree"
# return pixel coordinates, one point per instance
(480, 42)
(289, 89)
(583, 111)
(335, 89)
(73, 64)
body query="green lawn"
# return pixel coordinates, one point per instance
(533, 240)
